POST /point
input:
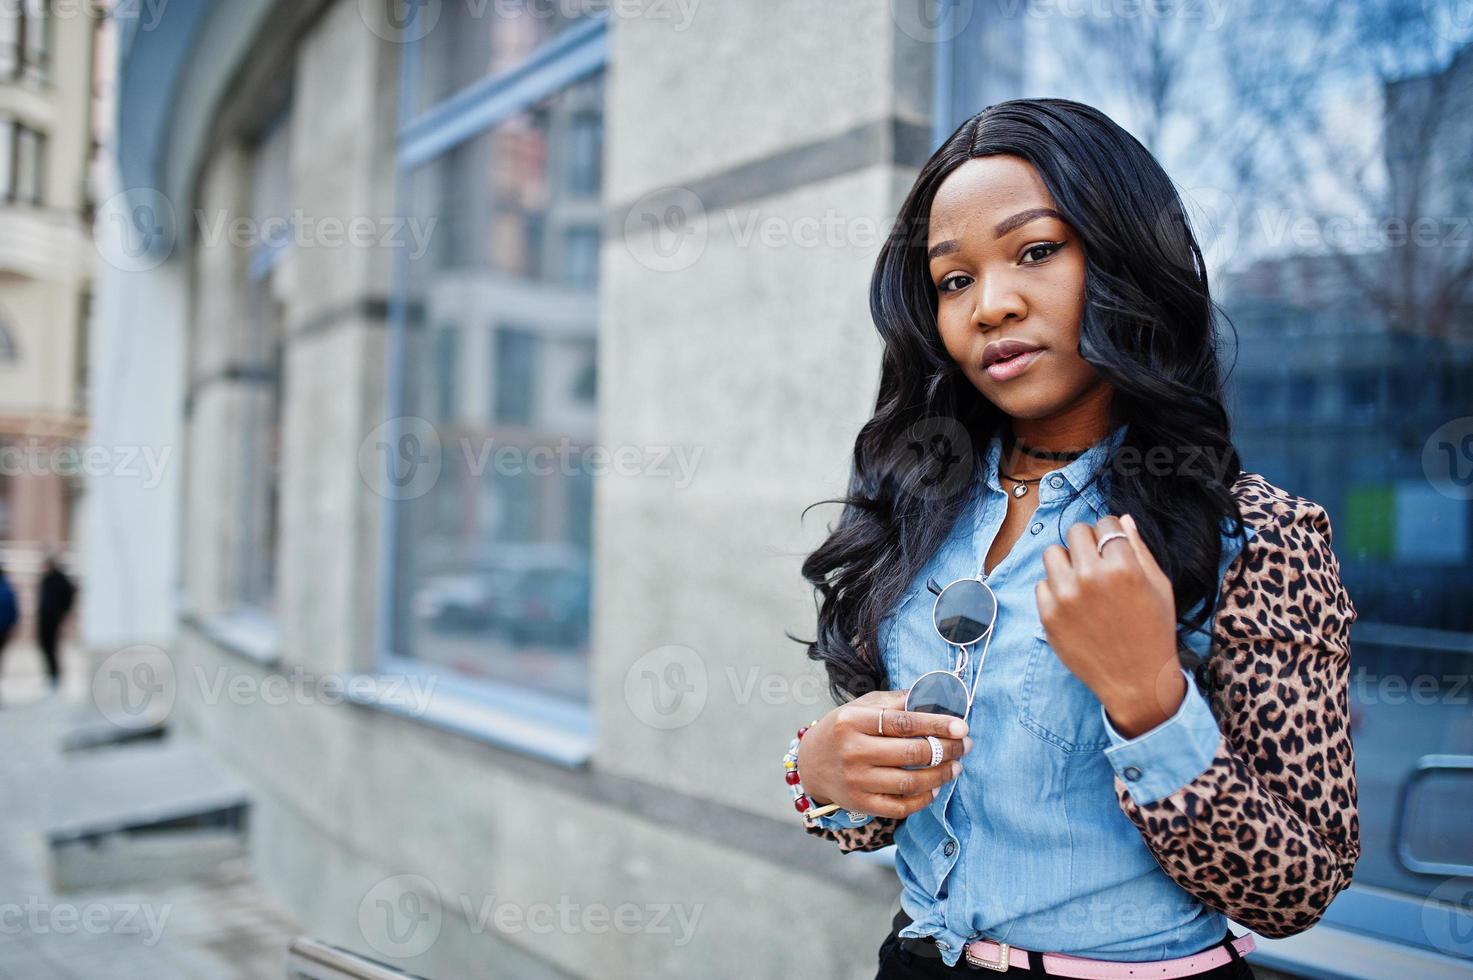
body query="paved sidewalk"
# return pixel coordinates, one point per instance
(220, 927)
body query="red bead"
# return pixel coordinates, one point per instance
(802, 730)
(802, 803)
(792, 777)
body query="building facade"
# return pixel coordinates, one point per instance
(495, 351)
(46, 144)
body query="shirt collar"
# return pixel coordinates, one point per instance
(1076, 472)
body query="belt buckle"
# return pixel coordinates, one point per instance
(1000, 965)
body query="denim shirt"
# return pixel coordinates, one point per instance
(1029, 845)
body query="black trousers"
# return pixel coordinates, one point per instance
(915, 959)
(49, 633)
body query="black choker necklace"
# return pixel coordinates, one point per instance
(1034, 451)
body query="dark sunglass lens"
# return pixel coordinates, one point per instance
(938, 693)
(965, 611)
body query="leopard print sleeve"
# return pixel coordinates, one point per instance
(878, 832)
(1269, 834)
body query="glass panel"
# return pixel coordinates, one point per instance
(29, 149)
(7, 155)
(494, 577)
(10, 33)
(447, 357)
(7, 484)
(1323, 152)
(475, 39)
(261, 438)
(262, 352)
(7, 339)
(514, 371)
(37, 39)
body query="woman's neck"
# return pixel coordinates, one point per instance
(1049, 435)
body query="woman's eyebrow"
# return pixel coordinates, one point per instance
(1003, 227)
(941, 248)
(1022, 218)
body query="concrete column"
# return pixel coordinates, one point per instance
(343, 138)
(756, 158)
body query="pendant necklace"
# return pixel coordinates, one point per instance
(1020, 486)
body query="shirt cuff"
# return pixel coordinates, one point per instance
(1158, 762)
(842, 819)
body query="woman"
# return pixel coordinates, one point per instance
(1157, 738)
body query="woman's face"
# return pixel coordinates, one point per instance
(1006, 267)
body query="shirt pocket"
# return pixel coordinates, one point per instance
(1058, 707)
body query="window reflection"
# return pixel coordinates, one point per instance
(475, 39)
(495, 578)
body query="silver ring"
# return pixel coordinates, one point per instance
(937, 752)
(882, 721)
(1100, 545)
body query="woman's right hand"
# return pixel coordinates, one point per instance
(844, 760)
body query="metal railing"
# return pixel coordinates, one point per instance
(311, 959)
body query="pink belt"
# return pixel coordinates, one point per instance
(999, 956)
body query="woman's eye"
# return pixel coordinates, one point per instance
(945, 284)
(1047, 248)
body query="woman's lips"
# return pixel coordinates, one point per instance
(1013, 366)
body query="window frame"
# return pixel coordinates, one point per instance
(511, 716)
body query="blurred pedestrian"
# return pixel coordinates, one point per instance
(57, 594)
(9, 612)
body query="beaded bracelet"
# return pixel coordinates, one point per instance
(802, 802)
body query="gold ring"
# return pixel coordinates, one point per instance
(882, 721)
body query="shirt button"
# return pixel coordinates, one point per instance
(1037, 526)
(1131, 773)
(950, 848)
(942, 944)
(1056, 481)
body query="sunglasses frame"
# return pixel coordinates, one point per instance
(964, 655)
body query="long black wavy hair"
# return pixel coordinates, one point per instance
(1149, 328)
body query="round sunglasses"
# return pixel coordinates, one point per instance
(963, 615)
